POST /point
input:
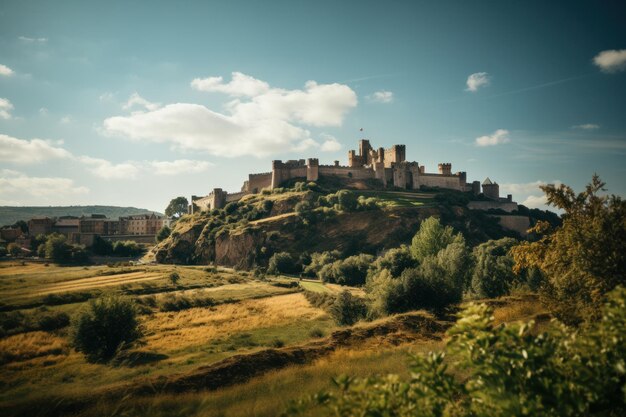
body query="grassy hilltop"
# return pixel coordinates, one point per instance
(310, 218)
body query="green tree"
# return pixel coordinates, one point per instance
(347, 309)
(14, 249)
(585, 257)
(174, 278)
(282, 262)
(104, 326)
(163, 234)
(347, 200)
(493, 274)
(432, 237)
(395, 260)
(57, 248)
(22, 225)
(177, 207)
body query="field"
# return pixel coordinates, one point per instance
(294, 348)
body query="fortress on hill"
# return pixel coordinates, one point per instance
(388, 166)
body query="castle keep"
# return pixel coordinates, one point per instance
(387, 166)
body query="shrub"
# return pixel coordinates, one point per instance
(507, 370)
(127, 248)
(163, 234)
(319, 260)
(347, 200)
(282, 262)
(104, 326)
(14, 249)
(395, 261)
(348, 309)
(3, 251)
(350, 271)
(174, 278)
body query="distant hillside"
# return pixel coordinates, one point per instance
(9, 214)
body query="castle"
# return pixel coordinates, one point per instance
(387, 166)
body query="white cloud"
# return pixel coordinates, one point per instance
(29, 151)
(477, 80)
(136, 100)
(239, 85)
(496, 138)
(179, 166)
(536, 201)
(5, 109)
(268, 123)
(587, 126)
(43, 111)
(381, 96)
(25, 189)
(611, 61)
(6, 71)
(330, 144)
(106, 170)
(65, 120)
(107, 96)
(33, 40)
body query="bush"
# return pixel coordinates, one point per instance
(104, 326)
(348, 309)
(507, 370)
(350, 271)
(282, 262)
(318, 261)
(3, 251)
(163, 234)
(128, 248)
(174, 278)
(14, 249)
(395, 261)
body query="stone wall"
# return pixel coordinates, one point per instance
(488, 205)
(256, 182)
(519, 224)
(358, 173)
(442, 181)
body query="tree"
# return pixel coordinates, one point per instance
(493, 274)
(585, 257)
(282, 262)
(431, 237)
(22, 225)
(104, 326)
(163, 234)
(177, 207)
(347, 309)
(57, 248)
(14, 249)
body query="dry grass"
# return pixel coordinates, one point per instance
(25, 346)
(171, 331)
(515, 309)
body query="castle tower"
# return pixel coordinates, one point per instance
(445, 168)
(491, 189)
(312, 169)
(277, 173)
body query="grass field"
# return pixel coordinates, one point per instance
(39, 369)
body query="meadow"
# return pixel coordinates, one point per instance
(210, 315)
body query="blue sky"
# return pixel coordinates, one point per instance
(122, 102)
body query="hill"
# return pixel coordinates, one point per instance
(301, 219)
(10, 214)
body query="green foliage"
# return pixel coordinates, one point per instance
(350, 271)
(14, 249)
(282, 262)
(57, 249)
(584, 258)
(177, 207)
(508, 370)
(127, 248)
(3, 251)
(104, 326)
(431, 237)
(395, 261)
(493, 275)
(163, 234)
(347, 309)
(174, 278)
(40, 319)
(319, 260)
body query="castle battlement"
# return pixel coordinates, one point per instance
(389, 166)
